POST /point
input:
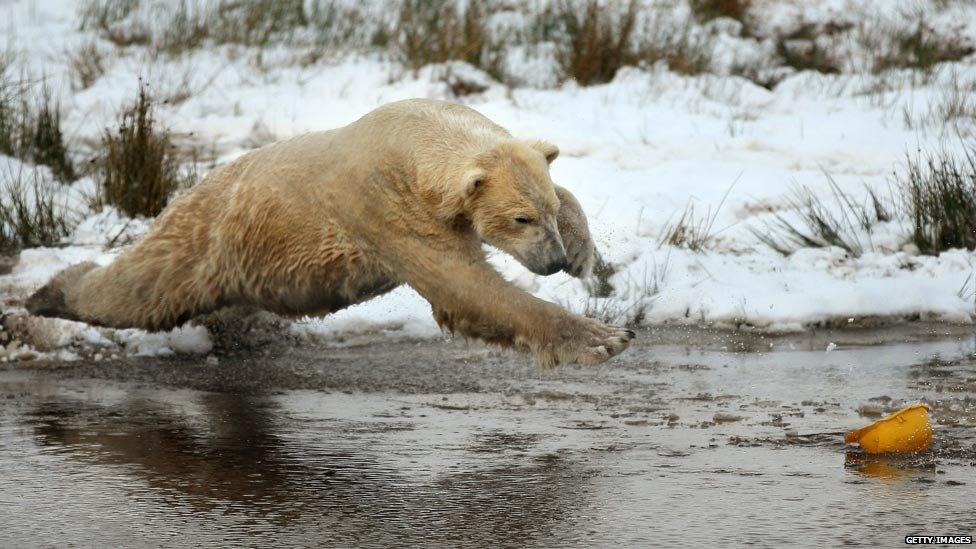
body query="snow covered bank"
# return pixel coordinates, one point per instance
(636, 151)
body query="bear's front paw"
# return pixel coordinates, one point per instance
(589, 343)
(601, 342)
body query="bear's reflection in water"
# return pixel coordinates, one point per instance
(241, 455)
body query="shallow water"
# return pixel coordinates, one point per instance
(667, 445)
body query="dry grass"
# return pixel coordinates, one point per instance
(706, 10)
(594, 41)
(598, 40)
(86, 65)
(808, 55)
(937, 194)
(940, 198)
(437, 31)
(813, 47)
(953, 111)
(103, 14)
(30, 214)
(624, 306)
(916, 45)
(256, 22)
(43, 138)
(821, 224)
(189, 25)
(688, 230)
(30, 128)
(7, 59)
(589, 40)
(109, 19)
(337, 27)
(139, 171)
(876, 45)
(681, 50)
(181, 26)
(10, 101)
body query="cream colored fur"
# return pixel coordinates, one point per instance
(405, 195)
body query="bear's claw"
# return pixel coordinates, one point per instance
(602, 341)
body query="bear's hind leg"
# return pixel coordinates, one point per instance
(51, 300)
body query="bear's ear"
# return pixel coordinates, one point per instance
(547, 149)
(473, 181)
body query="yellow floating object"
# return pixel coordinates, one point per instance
(907, 430)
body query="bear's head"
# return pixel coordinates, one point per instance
(511, 203)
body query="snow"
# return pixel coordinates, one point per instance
(635, 152)
(186, 339)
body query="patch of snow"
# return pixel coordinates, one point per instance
(183, 340)
(108, 227)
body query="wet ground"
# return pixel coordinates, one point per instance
(706, 438)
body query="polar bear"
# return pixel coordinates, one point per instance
(407, 194)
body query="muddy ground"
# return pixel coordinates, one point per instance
(690, 436)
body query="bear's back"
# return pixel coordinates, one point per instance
(421, 120)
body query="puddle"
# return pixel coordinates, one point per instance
(438, 444)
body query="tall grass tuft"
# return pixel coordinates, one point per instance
(821, 224)
(680, 49)
(436, 31)
(30, 128)
(598, 40)
(594, 40)
(257, 22)
(43, 140)
(140, 170)
(918, 46)
(9, 117)
(688, 231)
(936, 193)
(29, 212)
(940, 195)
(86, 65)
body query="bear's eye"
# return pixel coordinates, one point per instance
(525, 220)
